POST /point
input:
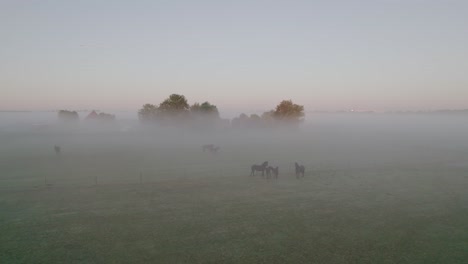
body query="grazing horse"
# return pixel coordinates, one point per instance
(268, 171)
(211, 148)
(272, 172)
(214, 150)
(57, 149)
(207, 147)
(261, 168)
(275, 172)
(300, 169)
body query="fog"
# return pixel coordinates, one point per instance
(354, 139)
(369, 179)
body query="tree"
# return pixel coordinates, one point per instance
(170, 111)
(68, 116)
(148, 113)
(268, 118)
(288, 112)
(205, 109)
(174, 105)
(104, 117)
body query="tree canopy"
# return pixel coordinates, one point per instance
(205, 109)
(176, 110)
(175, 104)
(289, 112)
(68, 116)
(148, 113)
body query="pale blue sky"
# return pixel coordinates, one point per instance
(241, 55)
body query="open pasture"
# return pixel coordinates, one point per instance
(388, 197)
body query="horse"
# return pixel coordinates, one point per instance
(211, 148)
(214, 150)
(268, 171)
(275, 171)
(57, 150)
(300, 170)
(207, 147)
(272, 172)
(261, 168)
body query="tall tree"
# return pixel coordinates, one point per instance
(68, 116)
(148, 113)
(205, 109)
(175, 104)
(289, 112)
(170, 111)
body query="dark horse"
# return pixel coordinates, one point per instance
(272, 172)
(208, 147)
(57, 149)
(214, 150)
(261, 168)
(275, 172)
(211, 148)
(268, 171)
(300, 169)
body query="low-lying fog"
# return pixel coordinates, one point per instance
(336, 139)
(377, 189)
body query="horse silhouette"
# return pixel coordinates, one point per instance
(211, 148)
(300, 170)
(272, 172)
(275, 172)
(207, 147)
(261, 168)
(214, 150)
(57, 150)
(268, 171)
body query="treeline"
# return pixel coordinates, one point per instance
(175, 110)
(66, 116)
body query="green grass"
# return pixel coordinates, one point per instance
(205, 209)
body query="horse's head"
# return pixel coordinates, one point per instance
(264, 164)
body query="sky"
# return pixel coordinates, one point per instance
(243, 56)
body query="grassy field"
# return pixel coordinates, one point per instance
(111, 198)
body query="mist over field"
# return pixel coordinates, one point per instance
(378, 188)
(249, 132)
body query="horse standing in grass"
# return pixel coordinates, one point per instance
(261, 168)
(214, 150)
(211, 148)
(208, 147)
(268, 172)
(275, 172)
(300, 170)
(57, 150)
